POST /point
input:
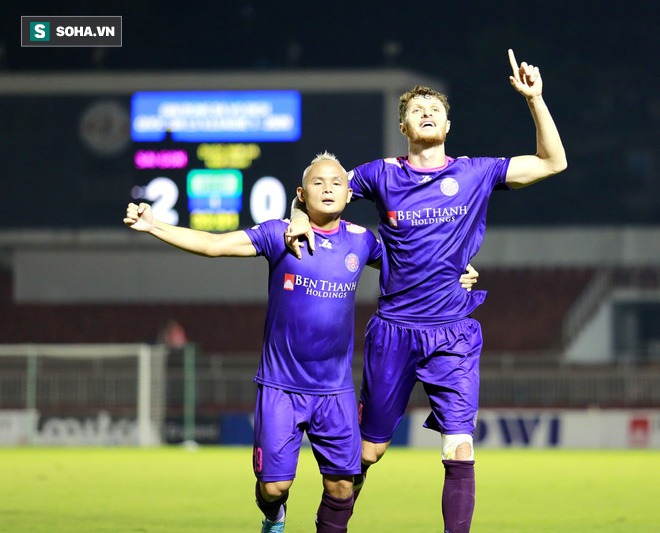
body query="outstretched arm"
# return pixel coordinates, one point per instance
(299, 227)
(550, 156)
(233, 243)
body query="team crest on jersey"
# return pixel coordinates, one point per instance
(391, 218)
(289, 282)
(354, 228)
(352, 262)
(449, 186)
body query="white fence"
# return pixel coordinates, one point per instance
(59, 400)
(122, 385)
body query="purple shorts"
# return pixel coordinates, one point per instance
(280, 420)
(444, 358)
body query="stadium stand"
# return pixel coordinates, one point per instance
(523, 312)
(525, 307)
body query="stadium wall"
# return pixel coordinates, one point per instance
(111, 267)
(88, 285)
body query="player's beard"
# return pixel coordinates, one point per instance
(427, 139)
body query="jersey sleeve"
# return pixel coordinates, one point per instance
(495, 172)
(375, 248)
(362, 179)
(264, 235)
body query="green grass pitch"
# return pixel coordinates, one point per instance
(175, 490)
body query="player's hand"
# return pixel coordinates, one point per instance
(468, 278)
(297, 229)
(139, 217)
(526, 79)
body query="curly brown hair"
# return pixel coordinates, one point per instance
(420, 90)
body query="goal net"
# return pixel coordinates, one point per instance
(82, 394)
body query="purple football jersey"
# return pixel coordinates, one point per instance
(308, 337)
(431, 223)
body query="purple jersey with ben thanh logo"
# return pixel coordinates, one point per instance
(431, 222)
(308, 336)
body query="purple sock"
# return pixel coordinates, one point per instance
(458, 496)
(273, 511)
(333, 514)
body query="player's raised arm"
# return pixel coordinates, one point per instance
(550, 157)
(299, 227)
(234, 243)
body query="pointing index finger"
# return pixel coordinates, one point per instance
(514, 64)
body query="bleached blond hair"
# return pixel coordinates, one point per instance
(323, 156)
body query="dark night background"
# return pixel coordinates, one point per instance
(599, 61)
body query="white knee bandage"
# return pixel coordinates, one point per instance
(451, 442)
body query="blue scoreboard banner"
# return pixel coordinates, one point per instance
(216, 116)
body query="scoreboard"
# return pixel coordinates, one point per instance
(209, 140)
(213, 160)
